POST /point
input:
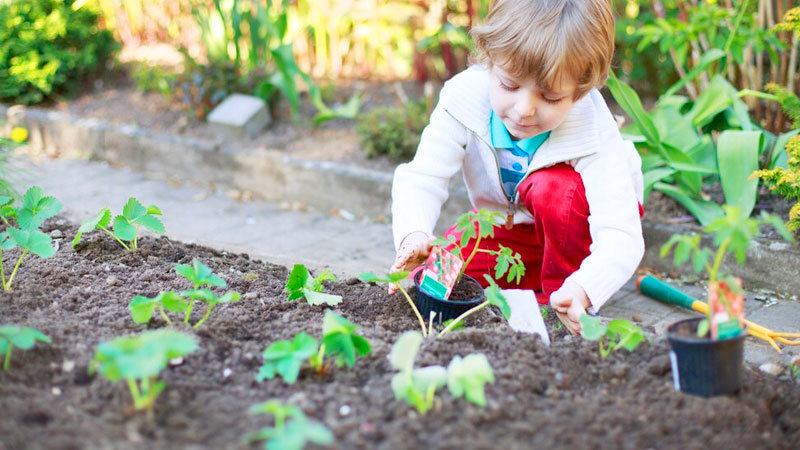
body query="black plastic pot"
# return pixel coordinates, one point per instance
(704, 367)
(445, 309)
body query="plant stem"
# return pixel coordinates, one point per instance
(464, 316)
(430, 322)
(19, 261)
(469, 258)
(712, 274)
(136, 238)
(137, 397)
(736, 26)
(164, 315)
(205, 317)
(757, 94)
(3, 271)
(414, 307)
(604, 351)
(7, 361)
(115, 238)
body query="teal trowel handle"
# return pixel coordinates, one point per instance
(657, 289)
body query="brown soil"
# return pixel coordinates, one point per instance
(563, 396)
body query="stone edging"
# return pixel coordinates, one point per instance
(275, 176)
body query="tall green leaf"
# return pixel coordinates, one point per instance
(737, 155)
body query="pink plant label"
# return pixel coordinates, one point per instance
(726, 299)
(440, 273)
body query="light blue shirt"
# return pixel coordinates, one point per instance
(513, 156)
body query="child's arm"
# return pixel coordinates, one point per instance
(413, 251)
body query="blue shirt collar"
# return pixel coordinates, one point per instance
(501, 138)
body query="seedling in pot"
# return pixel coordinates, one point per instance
(339, 341)
(292, 429)
(24, 338)
(301, 284)
(417, 386)
(493, 297)
(139, 360)
(125, 227)
(732, 233)
(618, 334)
(22, 229)
(395, 279)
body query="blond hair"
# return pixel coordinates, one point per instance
(549, 39)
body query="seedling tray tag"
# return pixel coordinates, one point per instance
(439, 275)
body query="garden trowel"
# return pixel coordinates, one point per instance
(525, 314)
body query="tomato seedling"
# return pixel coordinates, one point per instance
(619, 333)
(292, 429)
(125, 227)
(22, 228)
(23, 338)
(301, 284)
(139, 360)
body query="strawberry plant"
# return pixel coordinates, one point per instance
(24, 338)
(493, 297)
(142, 308)
(22, 228)
(617, 334)
(139, 359)
(339, 341)
(465, 377)
(124, 227)
(211, 300)
(395, 279)
(292, 429)
(301, 284)
(200, 276)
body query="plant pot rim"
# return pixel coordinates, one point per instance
(476, 301)
(693, 340)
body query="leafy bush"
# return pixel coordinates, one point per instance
(786, 181)
(48, 47)
(392, 131)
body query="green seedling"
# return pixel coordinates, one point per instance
(619, 333)
(201, 276)
(395, 279)
(292, 429)
(24, 338)
(286, 358)
(301, 284)
(211, 300)
(139, 360)
(465, 377)
(493, 297)
(339, 341)
(142, 308)
(125, 227)
(22, 229)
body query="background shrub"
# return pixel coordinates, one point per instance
(48, 48)
(393, 131)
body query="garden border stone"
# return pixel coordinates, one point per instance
(273, 175)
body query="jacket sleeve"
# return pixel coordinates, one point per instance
(420, 187)
(614, 222)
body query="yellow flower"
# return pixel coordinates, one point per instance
(19, 134)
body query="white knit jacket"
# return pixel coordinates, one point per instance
(458, 138)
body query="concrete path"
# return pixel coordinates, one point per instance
(318, 239)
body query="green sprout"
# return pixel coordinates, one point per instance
(465, 377)
(24, 338)
(22, 228)
(142, 308)
(125, 226)
(619, 333)
(211, 300)
(339, 341)
(301, 284)
(201, 276)
(395, 278)
(292, 429)
(493, 297)
(139, 360)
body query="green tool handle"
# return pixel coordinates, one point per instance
(657, 289)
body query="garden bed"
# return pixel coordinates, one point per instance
(544, 397)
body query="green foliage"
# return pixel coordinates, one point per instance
(139, 359)
(125, 227)
(392, 131)
(339, 341)
(49, 48)
(24, 338)
(788, 101)
(22, 228)
(301, 284)
(292, 429)
(417, 386)
(203, 278)
(151, 78)
(142, 308)
(617, 334)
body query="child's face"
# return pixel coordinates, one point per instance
(525, 109)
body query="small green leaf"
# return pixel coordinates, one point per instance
(35, 241)
(404, 350)
(592, 328)
(496, 298)
(133, 210)
(142, 308)
(173, 302)
(296, 282)
(151, 223)
(467, 377)
(123, 230)
(101, 219)
(320, 298)
(153, 210)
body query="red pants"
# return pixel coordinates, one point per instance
(553, 247)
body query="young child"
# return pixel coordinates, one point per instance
(536, 141)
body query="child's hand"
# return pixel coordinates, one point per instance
(570, 302)
(413, 251)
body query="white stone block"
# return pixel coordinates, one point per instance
(240, 116)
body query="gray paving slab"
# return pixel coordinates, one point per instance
(264, 231)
